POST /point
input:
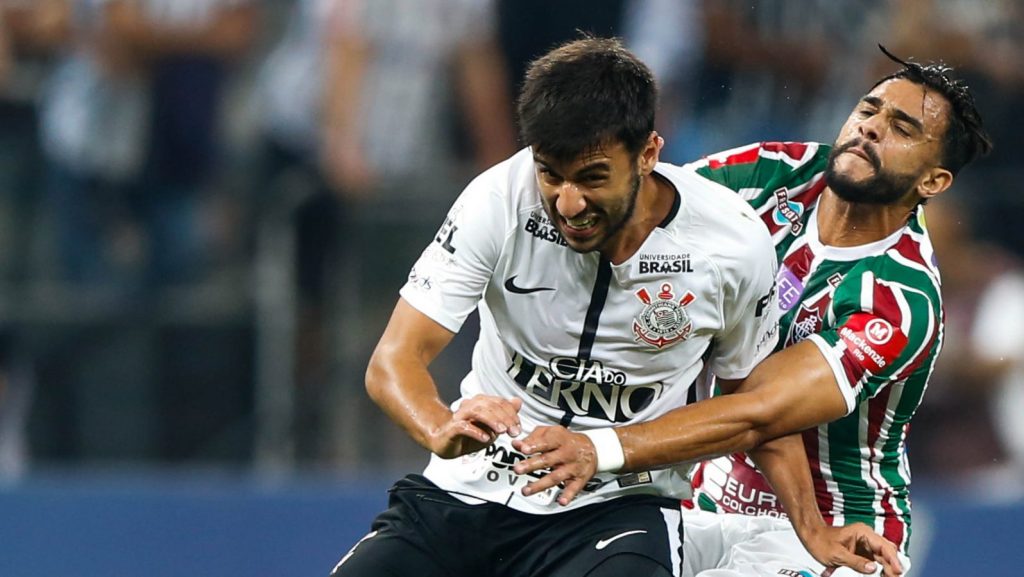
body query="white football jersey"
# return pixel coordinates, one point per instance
(586, 343)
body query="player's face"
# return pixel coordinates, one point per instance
(591, 198)
(891, 139)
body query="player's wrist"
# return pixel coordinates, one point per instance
(608, 448)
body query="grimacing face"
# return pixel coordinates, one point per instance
(892, 137)
(591, 198)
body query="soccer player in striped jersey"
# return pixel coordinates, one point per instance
(861, 326)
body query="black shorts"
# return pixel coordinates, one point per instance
(426, 532)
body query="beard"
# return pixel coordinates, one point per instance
(884, 187)
(626, 209)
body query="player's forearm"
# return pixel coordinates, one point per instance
(788, 392)
(714, 427)
(403, 388)
(783, 462)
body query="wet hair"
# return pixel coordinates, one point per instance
(585, 94)
(965, 138)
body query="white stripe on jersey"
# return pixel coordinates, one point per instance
(904, 261)
(867, 291)
(810, 151)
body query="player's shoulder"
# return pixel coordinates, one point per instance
(715, 220)
(912, 256)
(705, 204)
(788, 154)
(907, 265)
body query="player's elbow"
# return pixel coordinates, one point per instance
(767, 417)
(375, 378)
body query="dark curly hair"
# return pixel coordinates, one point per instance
(584, 94)
(965, 138)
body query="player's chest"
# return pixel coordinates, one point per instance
(665, 298)
(806, 295)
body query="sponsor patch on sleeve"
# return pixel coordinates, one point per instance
(872, 342)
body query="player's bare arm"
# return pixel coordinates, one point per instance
(784, 463)
(788, 392)
(792, 390)
(810, 393)
(398, 380)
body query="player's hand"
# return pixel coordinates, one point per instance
(571, 458)
(855, 546)
(476, 424)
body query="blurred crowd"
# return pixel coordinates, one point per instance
(207, 206)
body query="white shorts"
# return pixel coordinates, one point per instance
(729, 545)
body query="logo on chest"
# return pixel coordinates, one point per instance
(787, 211)
(663, 320)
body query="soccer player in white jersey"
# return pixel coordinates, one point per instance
(606, 282)
(861, 326)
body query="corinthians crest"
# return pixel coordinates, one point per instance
(663, 321)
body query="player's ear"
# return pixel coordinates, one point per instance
(651, 153)
(934, 182)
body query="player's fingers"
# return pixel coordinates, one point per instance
(517, 403)
(489, 416)
(538, 441)
(883, 552)
(571, 489)
(498, 414)
(516, 428)
(544, 483)
(538, 462)
(853, 561)
(467, 429)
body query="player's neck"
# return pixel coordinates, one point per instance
(842, 223)
(653, 203)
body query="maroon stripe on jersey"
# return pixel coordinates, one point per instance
(853, 368)
(876, 414)
(921, 356)
(809, 195)
(910, 249)
(893, 529)
(821, 492)
(885, 305)
(745, 157)
(794, 150)
(768, 218)
(799, 261)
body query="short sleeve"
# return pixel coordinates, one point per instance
(449, 278)
(750, 311)
(884, 331)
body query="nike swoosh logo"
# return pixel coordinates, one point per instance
(511, 287)
(606, 542)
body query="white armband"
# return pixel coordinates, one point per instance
(608, 448)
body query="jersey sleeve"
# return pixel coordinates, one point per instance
(750, 311)
(884, 331)
(448, 280)
(757, 170)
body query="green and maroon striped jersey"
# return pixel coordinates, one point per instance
(875, 313)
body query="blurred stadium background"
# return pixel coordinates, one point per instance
(207, 208)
